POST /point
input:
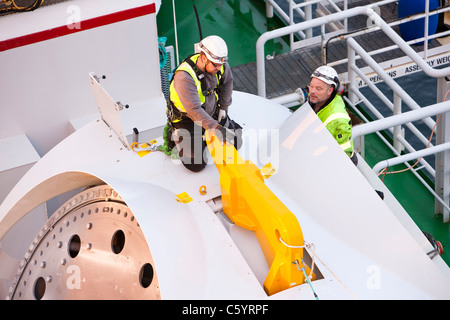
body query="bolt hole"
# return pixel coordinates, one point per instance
(146, 275)
(74, 245)
(39, 288)
(118, 241)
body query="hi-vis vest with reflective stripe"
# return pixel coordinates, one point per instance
(184, 66)
(336, 119)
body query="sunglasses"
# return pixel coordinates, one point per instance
(318, 74)
(216, 65)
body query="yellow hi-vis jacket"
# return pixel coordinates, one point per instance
(335, 117)
(185, 66)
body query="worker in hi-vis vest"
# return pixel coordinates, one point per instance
(326, 101)
(200, 94)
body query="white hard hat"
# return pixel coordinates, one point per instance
(326, 74)
(215, 49)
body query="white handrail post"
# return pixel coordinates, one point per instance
(260, 67)
(346, 19)
(269, 10)
(323, 45)
(291, 22)
(442, 167)
(351, 75)
(427, 21)
(352, 97)
(308, 17)
(398, 129)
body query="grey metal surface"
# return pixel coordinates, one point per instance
(91, 248)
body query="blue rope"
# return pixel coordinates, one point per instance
(306, 278)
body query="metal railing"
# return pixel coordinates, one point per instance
(305, 11)
(327, 37)
(393, 123)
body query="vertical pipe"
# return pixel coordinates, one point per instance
(323, 45)
(352, 84)
(346, 19)
(269, 10)
(291, 22)
(427, 19)
(397, 129)
(442, 166)
(308, 17)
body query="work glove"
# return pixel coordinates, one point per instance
(227, 134)
(222, 115)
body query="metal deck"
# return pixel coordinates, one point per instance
(288, 71)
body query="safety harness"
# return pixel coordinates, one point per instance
(175, 110)
(174, 114)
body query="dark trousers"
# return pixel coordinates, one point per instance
(191, 146)
(354, 158)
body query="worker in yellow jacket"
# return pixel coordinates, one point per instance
(200, 94)
(330, 108)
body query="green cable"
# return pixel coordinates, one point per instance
(165, 147)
